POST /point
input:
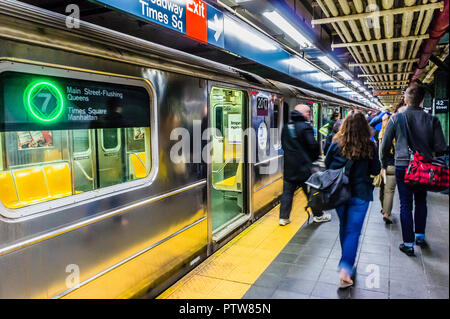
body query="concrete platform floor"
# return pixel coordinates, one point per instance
(307, 266)
(299, 261)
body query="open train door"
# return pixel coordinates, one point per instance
(227, 185)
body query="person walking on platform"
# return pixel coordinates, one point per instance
(334, 118)
(330, 136)
(377, 123)
(353, 149)
(388, 184)
(426, 138)
(300, 151)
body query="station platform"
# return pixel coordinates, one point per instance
(299, 261)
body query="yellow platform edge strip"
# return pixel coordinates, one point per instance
(234, 268)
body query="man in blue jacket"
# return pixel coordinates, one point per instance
(377, 122)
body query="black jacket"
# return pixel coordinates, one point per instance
(360, 180)
(426, 136)
(296, 166)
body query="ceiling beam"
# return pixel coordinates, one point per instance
(384, 62)
(381, 74)
(387, 82)
(396, 87)
(375, 14)
(380, 41)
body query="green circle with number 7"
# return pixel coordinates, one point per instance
(44, 101)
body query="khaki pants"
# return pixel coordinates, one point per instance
(387, 191)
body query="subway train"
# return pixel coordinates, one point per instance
(109, 187)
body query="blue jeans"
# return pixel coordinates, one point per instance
(351, 220)
(406, 195)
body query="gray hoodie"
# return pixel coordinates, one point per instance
(426, 136)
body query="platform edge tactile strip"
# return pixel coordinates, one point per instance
(231, 271)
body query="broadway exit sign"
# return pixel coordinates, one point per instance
(193, 18)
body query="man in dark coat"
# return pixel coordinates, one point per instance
(300, 150)
(422, 132)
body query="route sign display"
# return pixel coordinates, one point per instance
(40, 103)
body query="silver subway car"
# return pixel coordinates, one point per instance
(109, 185)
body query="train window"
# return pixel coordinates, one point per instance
(276, 125)
(63, 136)
(81, 141)
(219, 121)
(110, 139)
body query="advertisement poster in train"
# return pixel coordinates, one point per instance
(235, 128)
(262, 135)
(27, 140)
(138, 133)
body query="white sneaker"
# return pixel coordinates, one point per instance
(324, 218)
(284, 222)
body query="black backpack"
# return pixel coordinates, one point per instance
(328, 189)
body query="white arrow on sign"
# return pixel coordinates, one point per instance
(216, 26)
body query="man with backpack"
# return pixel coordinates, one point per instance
(420, 132)
(300, 151)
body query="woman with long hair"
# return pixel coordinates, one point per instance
(352, 143)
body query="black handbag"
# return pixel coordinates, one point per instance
(329, 189)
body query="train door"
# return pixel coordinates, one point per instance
(110, 147)
(83, 160)
(227, 169)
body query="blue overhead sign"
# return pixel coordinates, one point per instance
(193, 18)
(168, 13)
(199, 21)
(215, 27)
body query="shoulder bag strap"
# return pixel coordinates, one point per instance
(347, 167)
(408, 133)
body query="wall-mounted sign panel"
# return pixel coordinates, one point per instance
(168, 13)
(215, 34)
(193, 18)
(441, 106)
(33, 102)
(262, 106)
(387, 92)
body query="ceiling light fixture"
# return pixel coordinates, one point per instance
(250, 37)
(328, 62)
(300, 64)
(345, 75)
(288, 28)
